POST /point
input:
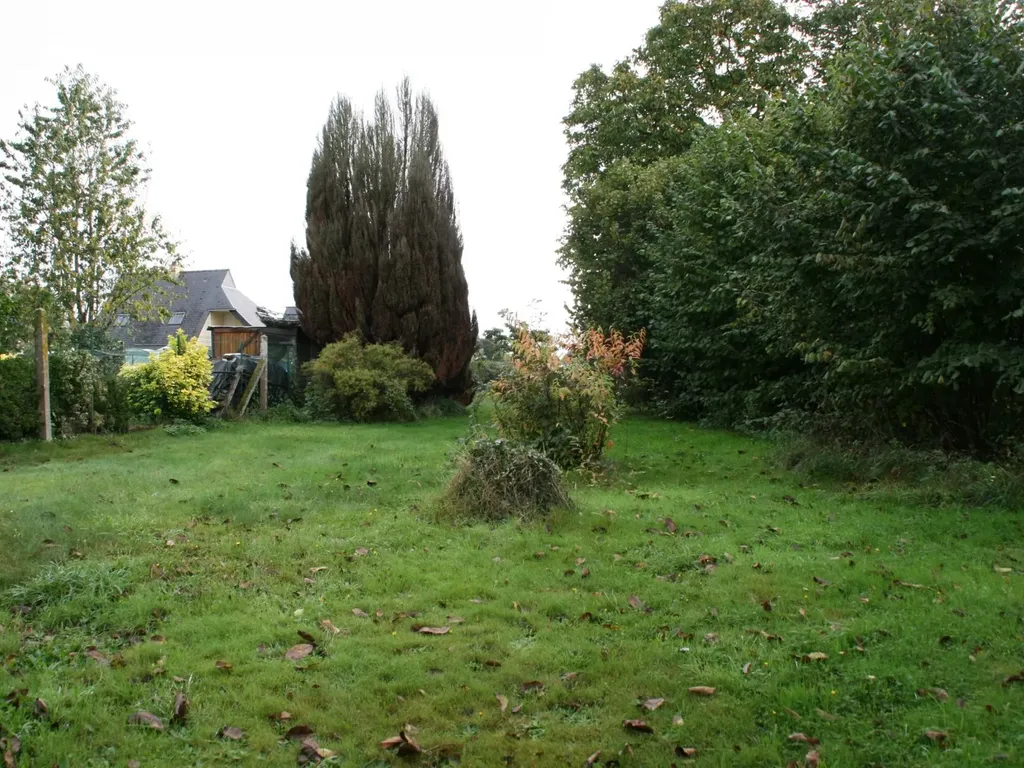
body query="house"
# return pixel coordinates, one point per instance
(199, 301)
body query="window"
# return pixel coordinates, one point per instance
(122, 320)
(176, 318)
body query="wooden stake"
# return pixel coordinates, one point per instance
(251, 386)
(43, 376)
(264, 356)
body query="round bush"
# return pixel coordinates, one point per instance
(497, 480)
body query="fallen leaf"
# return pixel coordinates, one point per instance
(298, 732)
(936, 693)
(147, 719)
(685, 752)
(307, 637)
(767, 605)
(1002, 570)
(652, 704)
(311, 752)
(637, 725)
(792, 713)
(711, 638)
(532, 685)
(677, 720)
(803, 613)
(1016, 678)
(455, 620)
(362, 552)
(158, 639)
(392, 742)
(224, 665)
(670, 525)
(40, 709)
(433, 630)
(318, 568)
(281, 717)
(825, 715)
(502, 701)
(300, 651)
(517, 709)
(174, 480)
(702, 690)
(804, 739)
(812, 759)
(746, 668)
(815, 656)
(492, 663)
(96, 656)
(232, 733)
(822, 582)
(584, 573)
(937, 736)
(329, 627)
(360, 613)
(181, 705)
(636, 602)
(592, 760)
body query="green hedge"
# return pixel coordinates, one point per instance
(18, 414)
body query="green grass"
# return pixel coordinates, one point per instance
(912, 601)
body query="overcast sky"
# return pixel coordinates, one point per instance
(228, 99)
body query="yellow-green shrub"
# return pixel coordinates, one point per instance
(174, 384)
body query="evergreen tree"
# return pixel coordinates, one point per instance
(383, 252)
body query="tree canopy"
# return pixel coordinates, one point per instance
(71, 200)
(383, 253)
(829, 241)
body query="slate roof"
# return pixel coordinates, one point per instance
(198, 293)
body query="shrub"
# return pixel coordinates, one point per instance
(560, 395)
(19, 417)
(175, 384)
(497, 480)
(352, 381)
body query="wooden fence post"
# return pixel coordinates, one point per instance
(43, 376)
(264, 351)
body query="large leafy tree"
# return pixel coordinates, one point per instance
(78, 233)
(383, 253)
(704, 60)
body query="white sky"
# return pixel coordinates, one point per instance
(228, 99)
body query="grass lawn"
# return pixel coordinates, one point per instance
(139, 567)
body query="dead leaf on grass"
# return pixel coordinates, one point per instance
(711, 638)
(432, 630)
(592, 760)
(492, 663)
(1016, 678)
(767, 605)
(812, 759)
(821, 581)
(360, 613)
(297, 732)
(158, 639)
(652, 704)
(939, 737)
(685, 752)
(404, 744)
(746, 668)
(224, 665)
(637, 725)
(532, 685)
(702, 690)
(670, 525)
(637, 603)
(455, 620)
(936, 693)
(311, 752)
(231, 733)
(300, 651)
(181, 705)
(280, 717)
(145, 718)
(318, 568)
(825, 715)
(96, 656)
(362, 552)
(329, 627)
(803, 738)
(40, 709)
(815, 656)
(502, 701)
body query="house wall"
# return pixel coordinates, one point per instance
(219, 317)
